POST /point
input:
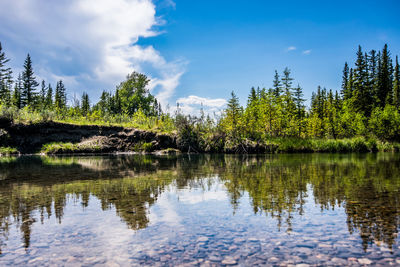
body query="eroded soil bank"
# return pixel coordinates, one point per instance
(85, 138)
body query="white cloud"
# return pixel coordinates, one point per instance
(307, 52)
(92, 42)
(291, 48)
(192, 105)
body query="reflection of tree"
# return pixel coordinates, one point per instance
(79, 178)
(367, 187)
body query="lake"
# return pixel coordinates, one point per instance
(202, 210)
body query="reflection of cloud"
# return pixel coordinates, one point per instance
(165, 211)
(194, 198)
(216, 192)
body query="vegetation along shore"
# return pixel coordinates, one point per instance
(362, 117)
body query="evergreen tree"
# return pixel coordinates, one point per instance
(361, 93)
(49, 97)
(16, 98)
(60, 100)
(232, 119)
(396, 85)
(42, 96)
(277, 86)
(384, 90)
(5, 78)
(373, 75)
(299, 102)
(28, 93)
(85, 108)
(287, 81)
(346, 93)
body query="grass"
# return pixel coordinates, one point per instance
(65, 148)
(163, 124)
(8, 151)
(300, 145)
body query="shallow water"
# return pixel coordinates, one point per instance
(318, 209)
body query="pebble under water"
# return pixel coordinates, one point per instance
(200, 210)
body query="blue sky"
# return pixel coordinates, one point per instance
(194, 51)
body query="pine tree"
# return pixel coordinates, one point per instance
(277, 86)
(49, 97)
(5, 78)
(396, 85)
(287, 81)
(16, 98)
(299, 102)
(346, 93)
(361, 93)
(60, 100)
(28, 93)
(85, 108)
(373, 75)
(384, 89)
(42, 97)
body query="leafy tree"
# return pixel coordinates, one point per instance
(385, 123)
(134, 95)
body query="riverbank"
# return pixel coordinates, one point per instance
(64, 138)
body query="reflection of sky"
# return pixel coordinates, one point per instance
(178, 216)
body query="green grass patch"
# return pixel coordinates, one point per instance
(65, 148)
(8, 151)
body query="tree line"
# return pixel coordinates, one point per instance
(367, 104)
(25, 92)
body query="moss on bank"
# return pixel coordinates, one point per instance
(70, 148)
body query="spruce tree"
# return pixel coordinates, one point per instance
(60, 100)
(396, 85)
(16, 98)
(277, 86)
(85, 108)
(42, 97)
(28, 93)
(5, 78)
(361, 93)
(346, 94)
(49, 97)
(384, 90)
(373, 75)
(287, 81)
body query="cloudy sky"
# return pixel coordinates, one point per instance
(195, 52)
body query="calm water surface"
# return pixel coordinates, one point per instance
(317, 209)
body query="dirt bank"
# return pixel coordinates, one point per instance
(101, 139)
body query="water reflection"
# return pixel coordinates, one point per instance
(36, 189)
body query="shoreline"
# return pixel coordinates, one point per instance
(55, 138)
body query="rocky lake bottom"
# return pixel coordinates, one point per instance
(200, 210)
